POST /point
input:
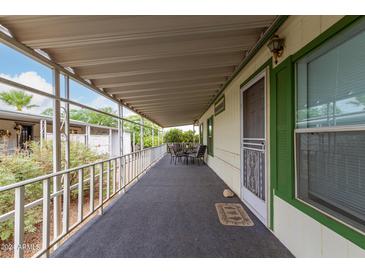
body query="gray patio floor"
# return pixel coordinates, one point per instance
(170, 212)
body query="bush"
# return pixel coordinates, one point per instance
(175, 135)
(38, 161)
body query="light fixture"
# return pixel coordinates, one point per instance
(276, 46)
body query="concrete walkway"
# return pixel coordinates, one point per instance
(170, 212)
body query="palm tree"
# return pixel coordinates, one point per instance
(18, 99)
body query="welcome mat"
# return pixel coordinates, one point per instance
(233, 214)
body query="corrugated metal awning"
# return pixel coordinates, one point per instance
(166, 67)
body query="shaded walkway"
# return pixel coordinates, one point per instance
(170, 212)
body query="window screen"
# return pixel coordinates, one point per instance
(330, 98)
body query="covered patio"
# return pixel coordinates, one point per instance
(277, 133)
(170, 212)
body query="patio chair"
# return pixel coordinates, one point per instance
(175, 154)
(199, 154)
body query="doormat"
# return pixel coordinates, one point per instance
(233, 214)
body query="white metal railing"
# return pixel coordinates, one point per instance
(120, 171)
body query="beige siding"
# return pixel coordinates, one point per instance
(305, 237)
(297, 31)
(315, 240)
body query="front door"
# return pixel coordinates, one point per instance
(253, 148)
(25, 136)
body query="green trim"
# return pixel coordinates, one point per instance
(282, 120)
(210, 143)
(281, 128)
(218, 101)
(268, 34)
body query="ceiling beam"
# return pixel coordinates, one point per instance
(186, 107)
(164, 98)
(171, 102)
(160, 66)
(212, 86)
(161, 78)
(171, 92)
(215, 81)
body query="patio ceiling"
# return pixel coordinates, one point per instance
(167, 67)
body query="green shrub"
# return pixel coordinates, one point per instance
(37, 162)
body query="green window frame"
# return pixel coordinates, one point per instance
(282, 146)
(210, 133)
(329, 156)
(201, 130)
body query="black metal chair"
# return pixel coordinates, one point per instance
(199, 155)
(175, 154)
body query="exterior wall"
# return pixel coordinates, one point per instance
(9, 125)
(305, 237)
(99, 137)
(300, 232)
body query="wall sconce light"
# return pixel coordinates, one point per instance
(276, 46)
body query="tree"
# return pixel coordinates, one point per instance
(147, 132)
(174, 135)
(89, 116)
(17, 98)
(190, 137)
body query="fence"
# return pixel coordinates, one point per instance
(114, 176)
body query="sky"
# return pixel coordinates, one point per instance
(22, 69)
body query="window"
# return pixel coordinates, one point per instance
(19, 68)
(210, 136)
(330, 127)
(201, 128)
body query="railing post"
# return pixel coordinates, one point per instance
(101, 188)
(114, 175)
(107, 179)
(87, 135)
(129, 169)
(158, 137)
(153, 136)
(46, 217)
(142, 133)
(121, 174)
(92, 181)
(80, 205)
(124, 172)
(66, 182)
(134, 166)
(121, 145)
(133, 142)
(121, 131)
(110, 148)
(57, 221)
(19, 223)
